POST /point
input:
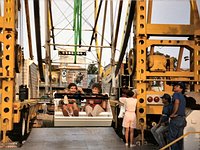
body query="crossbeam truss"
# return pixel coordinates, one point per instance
(144, 30)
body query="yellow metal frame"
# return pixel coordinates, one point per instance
(8, 39)
(9, 106)
(140, 46)
(143, 29)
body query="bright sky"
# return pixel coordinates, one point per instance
(165, 11)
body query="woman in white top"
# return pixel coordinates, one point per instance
(129, 121)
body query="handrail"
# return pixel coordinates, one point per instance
(181, 137)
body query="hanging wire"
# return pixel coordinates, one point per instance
(82, 16)
(69, 22)
(87, 18)
(65, 18)
(61, 21)
(63, 14)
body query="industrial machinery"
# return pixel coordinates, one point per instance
(150, 70)
(155, 72)
(17, 111)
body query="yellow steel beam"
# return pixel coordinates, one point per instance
(140, 46)
(8, 83)
(170, 30)
(189, 44)
(170, 74)
(143, 31)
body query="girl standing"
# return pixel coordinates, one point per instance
(129, 121)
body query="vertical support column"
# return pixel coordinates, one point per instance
(197, 65)
(140, 44)
(195, 20)
(96, 9)
(8, 81)
(47, 51)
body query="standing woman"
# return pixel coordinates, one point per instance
(129, 121)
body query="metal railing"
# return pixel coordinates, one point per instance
(181, 137)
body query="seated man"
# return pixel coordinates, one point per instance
(95, 106)
(163, 124)
(70, 107)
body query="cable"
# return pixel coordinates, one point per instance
(63, 14)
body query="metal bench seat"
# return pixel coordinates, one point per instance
(104, 118)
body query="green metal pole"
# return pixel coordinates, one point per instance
(77, 25)
(75, 28)
(80, 26)
(74, 22)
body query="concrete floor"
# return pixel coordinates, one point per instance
(77, 138)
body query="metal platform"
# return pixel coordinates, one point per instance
(79, 138)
